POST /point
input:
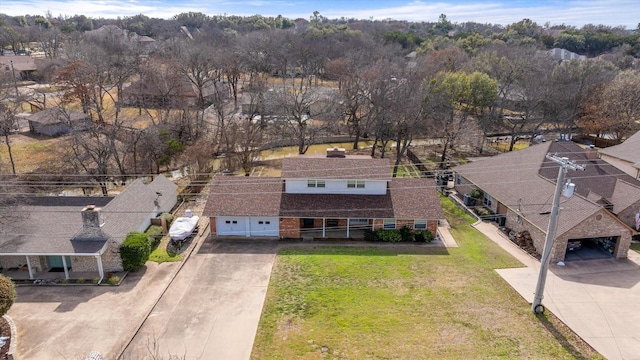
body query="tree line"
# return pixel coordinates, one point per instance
(205, 90)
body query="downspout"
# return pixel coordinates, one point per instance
(100, 269)
(29, 267)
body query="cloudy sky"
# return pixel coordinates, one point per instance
(570, 12)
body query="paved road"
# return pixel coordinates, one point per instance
(212, 308)
(598, 299)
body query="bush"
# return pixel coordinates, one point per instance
(475, 193)
(96, 280)
(423, 236)
(114, 280)
(135, 251)
(405, 234)
(81, 280)
(370, 235)
(155, 235)
(389, 235)
(7, 294)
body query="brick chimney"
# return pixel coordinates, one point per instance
(591, 152)
(90, 217)
(336, 153)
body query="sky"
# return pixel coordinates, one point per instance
(556, 12)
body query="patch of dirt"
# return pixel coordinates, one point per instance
(5, 331)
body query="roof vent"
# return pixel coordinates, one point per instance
(336, 152)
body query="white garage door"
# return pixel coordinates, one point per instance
(247, 226)
(231, 225)
(264, 226)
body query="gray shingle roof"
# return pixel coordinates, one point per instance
(51, 225)
(351, 167)
(56, 115)
(45, 225)
(129, 209)
(244, 196)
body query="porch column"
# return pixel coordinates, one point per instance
(348, 227)
(100, 269)
(323, 227)
(29, 267)
(64, 265)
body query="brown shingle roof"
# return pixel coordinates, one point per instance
(513, 179)
(244, 196)
(313, 167)
(241, 196)
(629, 150)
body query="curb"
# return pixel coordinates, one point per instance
(14, 338)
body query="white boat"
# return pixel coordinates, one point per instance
(183, 227)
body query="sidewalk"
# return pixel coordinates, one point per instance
(597, 299)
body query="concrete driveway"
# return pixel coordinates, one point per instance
(67, 322)
(598, 299)
(212, 308)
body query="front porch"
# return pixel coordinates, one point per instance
(334, 228)
(47, 277)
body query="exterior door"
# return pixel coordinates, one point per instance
(56, 262)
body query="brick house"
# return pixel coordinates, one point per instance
(319, 197)
(69, 234)
(517, 187)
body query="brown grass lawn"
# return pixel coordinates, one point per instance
(405, 303)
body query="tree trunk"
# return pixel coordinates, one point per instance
(8, 142)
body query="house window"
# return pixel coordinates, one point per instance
(420, 224)
(267, 222)
(227, 222)
(234, 222)
(315, 183)
(389, 224)
(487, 201)
(355, 184)
(260, 222)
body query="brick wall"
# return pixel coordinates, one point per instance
(111, 261)
(290, 227)
(401, 223)
(212, 224)
(600, 224)
(378, 224)
(432, 226)
(518, 223)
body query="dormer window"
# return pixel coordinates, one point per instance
(355, 184)
(315, 183)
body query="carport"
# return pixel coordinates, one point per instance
(591, 248)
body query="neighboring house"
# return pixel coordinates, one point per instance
(55, 121)
(332, 196)
(21, 67)
(518, 188)
(177, 92)
(78, 234)
(625, 156)
(564, 54)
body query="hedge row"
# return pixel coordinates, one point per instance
(404, 234)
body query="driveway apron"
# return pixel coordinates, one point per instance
(212, 308)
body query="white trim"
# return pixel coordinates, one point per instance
(29, 267)
(64, 266)
(100, 268)
(54, 254)
(324, 227)
(347, 227)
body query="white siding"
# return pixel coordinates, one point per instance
(299, 186)
(247, 226)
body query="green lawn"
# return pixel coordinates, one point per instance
(404, 303)
(635, 246)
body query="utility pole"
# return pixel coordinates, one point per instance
(565, 165)
(13, 73)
